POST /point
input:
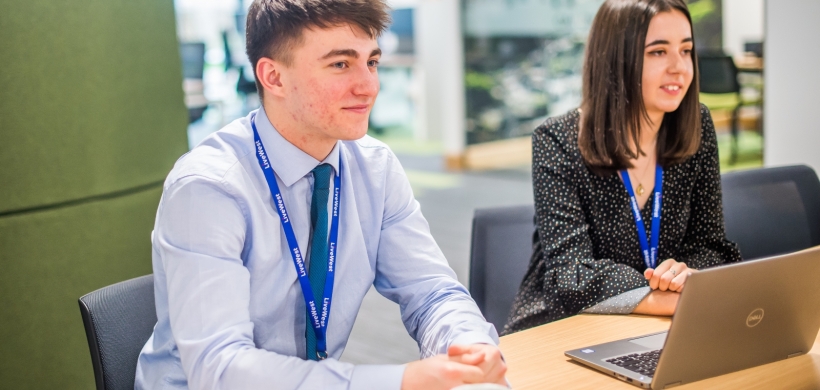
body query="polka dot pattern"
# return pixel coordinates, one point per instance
(585, 247)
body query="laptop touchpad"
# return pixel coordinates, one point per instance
(652, 342)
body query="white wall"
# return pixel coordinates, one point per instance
(792, 80)
(440, 52)
(742, 22)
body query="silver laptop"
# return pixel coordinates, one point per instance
(728, 318)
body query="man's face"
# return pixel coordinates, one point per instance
(332, 82)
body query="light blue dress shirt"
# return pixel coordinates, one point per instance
(230, 309)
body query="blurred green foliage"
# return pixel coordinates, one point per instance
(478, 80)
(707, 22)
(701, 9)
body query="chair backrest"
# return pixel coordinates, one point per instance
(119, 320)
(718, 73)
(500, 253)
(772, 211)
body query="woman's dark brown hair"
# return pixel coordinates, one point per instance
(274, 27)
(612, 106)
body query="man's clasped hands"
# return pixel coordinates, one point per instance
(463, 364)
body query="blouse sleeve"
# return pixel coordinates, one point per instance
(705, 243)
(623, 303)
(572, 274)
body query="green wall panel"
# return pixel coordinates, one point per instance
(91, 113)
(51, 258)
(91, 98)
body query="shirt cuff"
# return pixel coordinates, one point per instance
(473, 337)
(623, 303)
(377, 377)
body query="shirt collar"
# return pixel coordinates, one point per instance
(289, 162)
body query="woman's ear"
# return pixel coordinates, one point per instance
(269, 74)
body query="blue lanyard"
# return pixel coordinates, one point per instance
(649, 248)
(319, 321)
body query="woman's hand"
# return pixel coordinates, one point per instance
(668, 276)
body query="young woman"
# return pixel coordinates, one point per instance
(627, 187)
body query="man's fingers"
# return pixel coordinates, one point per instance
(466, 354)
(463, 373)
(486, 359)
(472, 359)
(458, 349)
(494, 367)
(496, 372)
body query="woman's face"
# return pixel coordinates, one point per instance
(667, 63)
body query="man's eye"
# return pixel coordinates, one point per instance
(340, 65)
(373, 63)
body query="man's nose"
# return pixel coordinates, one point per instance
(367, 82)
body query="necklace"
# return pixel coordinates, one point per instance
(640, 190)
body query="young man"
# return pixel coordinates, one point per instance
(271, 231)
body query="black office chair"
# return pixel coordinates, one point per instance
(772, 211)
(718, 75)
(119, 320)
(500, 253)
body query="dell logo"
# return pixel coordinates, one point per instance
(754, 318)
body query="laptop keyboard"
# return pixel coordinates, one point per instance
(642, 363)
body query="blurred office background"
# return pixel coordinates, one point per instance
(509, 65)
(98, 98)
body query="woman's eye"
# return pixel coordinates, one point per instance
(687, 52)
(656, 53)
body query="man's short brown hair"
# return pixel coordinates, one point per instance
(274, 27)
(612, 105)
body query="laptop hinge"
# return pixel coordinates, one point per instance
(796, 354)
(672, 384)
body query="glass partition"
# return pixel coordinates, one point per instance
(522, 63)
(523, 59)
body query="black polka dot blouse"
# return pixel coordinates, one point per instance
(585, 247)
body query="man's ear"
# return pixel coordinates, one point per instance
(269, 74)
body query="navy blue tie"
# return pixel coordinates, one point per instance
(317, 269)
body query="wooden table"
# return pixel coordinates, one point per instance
(535, 357)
